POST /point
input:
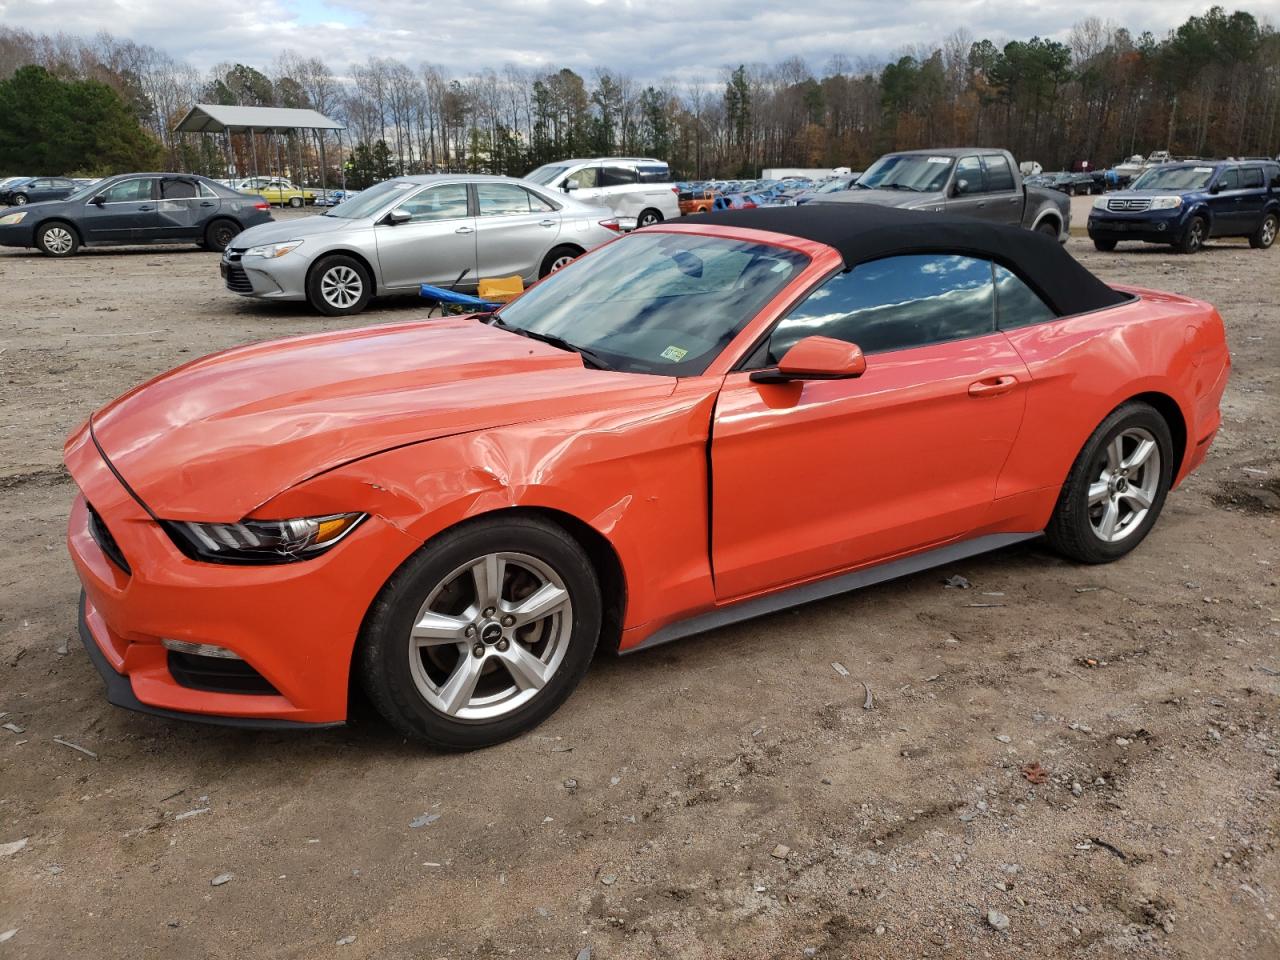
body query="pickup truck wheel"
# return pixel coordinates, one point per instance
(1106, 246)
(482, 633)
(1266, 233)
(1048, 228)
(1193, 237)
(1116, 487)
(295, 201)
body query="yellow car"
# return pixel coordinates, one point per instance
(277, 191)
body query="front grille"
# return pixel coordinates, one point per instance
(237, 279)
(106, 542)
(217, 674)
(1128, 204)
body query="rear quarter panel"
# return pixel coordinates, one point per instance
(1084, 367)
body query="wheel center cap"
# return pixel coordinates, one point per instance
(1122, 485)
(491, 632)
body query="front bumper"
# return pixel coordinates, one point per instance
(284, 278)
(1150, 226)
(17, 234)
(294, 624)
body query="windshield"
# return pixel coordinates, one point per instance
(834, 186)
(662, 303)
(1174, 178)
(93, 189)
(914, 172)
(546, 173)
(371, 201)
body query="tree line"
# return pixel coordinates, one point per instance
(1211, 87)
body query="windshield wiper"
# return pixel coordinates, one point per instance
(593, 359)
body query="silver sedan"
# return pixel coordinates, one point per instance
(447, 230)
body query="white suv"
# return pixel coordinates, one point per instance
(634, 188)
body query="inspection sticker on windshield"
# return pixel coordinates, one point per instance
(675, 354)
(1204, 169)
(939, 160)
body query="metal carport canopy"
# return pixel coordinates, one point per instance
(215, 118)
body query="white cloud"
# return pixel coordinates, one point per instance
(649, 40)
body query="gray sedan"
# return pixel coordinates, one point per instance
(447, 230)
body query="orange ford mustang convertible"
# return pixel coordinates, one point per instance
(691, 425)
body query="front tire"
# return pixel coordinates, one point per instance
(1116, 488)
(1265, 235)
(20, 199)
(1049, 229)
(1194, 236)
(57, 240)
(339, 286)
(1105, 246)
(482, 633)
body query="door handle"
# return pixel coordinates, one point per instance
(145, 207)
(993, 386)
(547, 223)
(979, 206)
(465, 230)
(206, 203)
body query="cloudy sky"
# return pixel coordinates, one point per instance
(650, 39)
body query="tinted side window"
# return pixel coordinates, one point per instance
(1251, 178)
(445, 202)
(1273, 176)
(584, 178)
(1017, 305)
(895, 304)
(1230, 180)
(999, 176)
(39, 185)
(617, 176)
(177, 190)
(968, 176)
(654, 174)
(128, 191)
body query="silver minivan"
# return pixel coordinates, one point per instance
(634, 188)
(444, 229)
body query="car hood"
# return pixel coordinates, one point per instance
(220, 436)
(883, 198)
(278, 231)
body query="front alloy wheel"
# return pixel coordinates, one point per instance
(339, 285)
(483, 633)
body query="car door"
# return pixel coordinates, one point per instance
(39, 190)
(1004, 200)
(514, 230)
(176, 210)
(207, 206)
(620, 189)
(124, 210)
(436, 245)
(585, 185)
(1253, 199)
(968, 195)
(1224, 203)
(811, 478)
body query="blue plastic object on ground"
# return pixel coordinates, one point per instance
(443, 295)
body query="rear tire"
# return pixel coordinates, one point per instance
(499, 678)
(57, 239)
(219, 234)
(557, 258)
(648, 218)
(1194, 236)
(1116, 488)
(339, 286)
(1049, 229)
(1106, 246)
(1265, 235)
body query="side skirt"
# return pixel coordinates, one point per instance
(821, 589)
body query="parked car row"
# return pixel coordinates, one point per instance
(1082, 183)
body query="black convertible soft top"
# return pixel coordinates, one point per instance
(866, 231)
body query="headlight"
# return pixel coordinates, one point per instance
(261, 541)
(1100, 203)
(11, 218)
(273, 250)
(1166, 203)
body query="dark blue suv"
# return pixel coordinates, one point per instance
(1184, 204)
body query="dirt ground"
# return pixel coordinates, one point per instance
(729, 796)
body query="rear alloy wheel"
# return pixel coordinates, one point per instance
(648, 218)
(1266, 233)
(1194, 237)
(295, 201)
(57, 240)
(1116, 487)
(19, 199)
(338, 286)
(482, 634)
(557, 258)
(219, 234)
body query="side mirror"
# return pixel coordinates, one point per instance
(816, 358)
(1216, 188)
(570, 186)
(99, 200)
(960, 188)
(399, 215)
